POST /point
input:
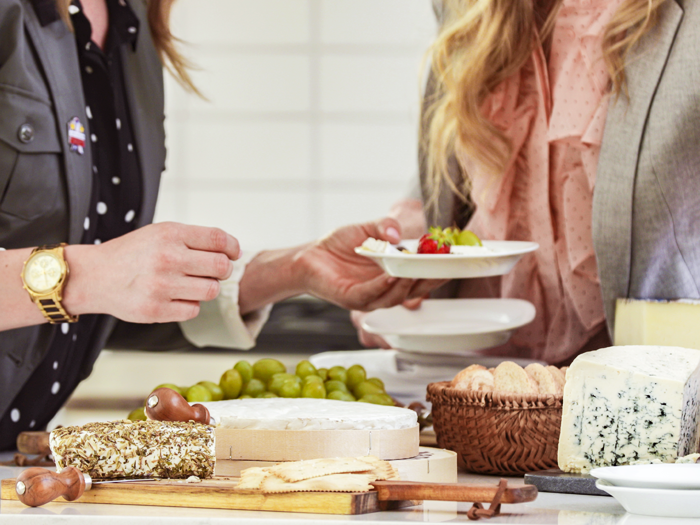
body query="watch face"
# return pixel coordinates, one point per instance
(43, 272)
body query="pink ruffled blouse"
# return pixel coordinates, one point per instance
(554, 114)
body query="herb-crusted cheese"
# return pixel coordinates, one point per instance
(136, 449)
(630, 404)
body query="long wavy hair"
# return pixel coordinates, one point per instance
(163, 39)
(480, 44)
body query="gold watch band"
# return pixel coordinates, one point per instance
(54, 312)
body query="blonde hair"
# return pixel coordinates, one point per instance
(480, 44)
(163, 40)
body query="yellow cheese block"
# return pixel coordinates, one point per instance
(655, 322)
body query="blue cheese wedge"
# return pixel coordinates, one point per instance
(630, 404)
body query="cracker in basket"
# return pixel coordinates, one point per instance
(546, 383)
(464, 378)
(330, 483)
(510, 377)
(252, 478)
(313, 468)
(482, 381)
(558, 377)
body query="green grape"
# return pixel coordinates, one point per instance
(217, 393)
(277, 380)
(245, 369)
(290, 388)
(138, 414)
(245, 396)
(264, 369)
(377, 382)
(170, 386)
(334, 384)
(267, 394)
(197, 394)
(338, 373)
(377, 399)
(356, 374)
(468, 238)
(339, 395)
(314, 389)
(322, 373)
(231, 383)
(305, 368)
(365, 388)
(312, 379)
(254, 387)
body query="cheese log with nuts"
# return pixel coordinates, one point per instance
(136, 449)
(630, 404)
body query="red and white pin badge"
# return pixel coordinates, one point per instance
(76, 135)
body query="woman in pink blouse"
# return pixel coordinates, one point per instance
(574, 124)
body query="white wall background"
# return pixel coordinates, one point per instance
(312, 117)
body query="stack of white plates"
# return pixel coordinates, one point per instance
(451, 326)
(669, 490)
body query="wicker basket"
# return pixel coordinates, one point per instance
(493, 433)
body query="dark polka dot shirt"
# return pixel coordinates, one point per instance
(114, 205)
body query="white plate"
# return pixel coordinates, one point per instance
(450, 326)
(451, 266)
(655, 502)
(663, 476)
(404, 377)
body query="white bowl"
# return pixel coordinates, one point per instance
(450, 326)
(682, 476)
(655, 502)
(503, 256)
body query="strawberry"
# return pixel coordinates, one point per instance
(436, 241)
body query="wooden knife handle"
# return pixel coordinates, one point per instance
(33, 443)
(164, 404)
(416, 490)
(38, 486)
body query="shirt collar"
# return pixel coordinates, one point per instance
(123, 21)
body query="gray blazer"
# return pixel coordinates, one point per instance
(646, 204)
(45, 188)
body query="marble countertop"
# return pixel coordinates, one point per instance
(560, 509)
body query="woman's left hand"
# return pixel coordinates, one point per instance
(331, 270)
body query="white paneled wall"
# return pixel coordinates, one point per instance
(311, 119)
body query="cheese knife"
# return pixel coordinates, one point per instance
(38, 486)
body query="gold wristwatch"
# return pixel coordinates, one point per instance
(44, 276)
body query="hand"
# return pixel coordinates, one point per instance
(373, 340)
(332, 270)
(158, 273)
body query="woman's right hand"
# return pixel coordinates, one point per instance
(158, 273)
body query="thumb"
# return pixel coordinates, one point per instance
(389, 230)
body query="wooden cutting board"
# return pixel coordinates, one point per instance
(220, 493)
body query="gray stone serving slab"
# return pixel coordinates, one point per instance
(556, 480)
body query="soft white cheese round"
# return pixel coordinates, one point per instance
(308, 414)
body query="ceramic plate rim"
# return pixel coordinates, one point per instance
(525, 305)
(630, 495)
(607, 474)
(526, 247)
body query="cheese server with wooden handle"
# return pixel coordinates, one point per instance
(164, 404)
(38, 486)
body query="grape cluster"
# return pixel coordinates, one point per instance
(269, 378)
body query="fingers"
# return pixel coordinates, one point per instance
(194, 289)
(372, 341)
(423, 287)
(375, 294)
(207, 264)
(413, 304)
(211, 240)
